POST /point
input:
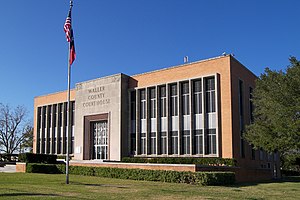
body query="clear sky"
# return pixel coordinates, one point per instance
(135, 36)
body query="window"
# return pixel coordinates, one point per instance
(133, 105)
(152, 103)
(211, 141)
(198, 142)
(186, 138)
(210, 95)
(143, 143)
(73, 113)
(133, 122)
(133, 143)
(60, 114)
(241, 113)
(143, 104)
(153, 143)
(174, 142)
(39, 116)
(54, 146)
(54, 115)
(185, 98)
(197, 96)
(252, 152)
(174, 100)
(163, 143)
(261, 154)
(72, 146)
(163, 101)
(251, 106)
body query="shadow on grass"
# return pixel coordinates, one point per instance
(27, 194)
(288, 179)
(97, 185)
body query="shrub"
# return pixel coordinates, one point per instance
(179, 160)
(199, 178)
(44, 168)
(37, 158)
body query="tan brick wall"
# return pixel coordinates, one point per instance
(170, 167)
(21, 167)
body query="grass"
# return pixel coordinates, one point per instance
(45, 186)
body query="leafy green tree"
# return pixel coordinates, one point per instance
(276, 98)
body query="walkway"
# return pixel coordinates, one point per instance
(8, 168)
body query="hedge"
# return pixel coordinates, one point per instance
(198, 178)
(178, 160)
(37, 158)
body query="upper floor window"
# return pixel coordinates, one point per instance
(210, 95)
(174, 100)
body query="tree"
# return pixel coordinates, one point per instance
(14, 129)
(276, 98)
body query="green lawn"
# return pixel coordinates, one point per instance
(45, 186)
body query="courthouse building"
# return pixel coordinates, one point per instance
(197, 109)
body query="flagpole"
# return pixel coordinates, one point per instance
(68, 111)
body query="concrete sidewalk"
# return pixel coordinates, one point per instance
(8, 168)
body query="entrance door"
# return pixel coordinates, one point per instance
(100, 138)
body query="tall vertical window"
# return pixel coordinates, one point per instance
(251, 106)
(185, 98)
(73, 113)
(163, 142)
(186, 142)
(174, 142)
(163, 101)
(48, 133)
(38, 142)
(163, 120)
(252, 152)
(143, 143)
(153, 143)
(43, 129)
(143, 139)
(133, 122)
(65, 135)
(152, 92)
(241, 117)
(174, 100)
(211, 141)
(197, 96)
(54, 125)
(152, 103)
(210, 95)
(198, 141)
(143, 104)
(133, 105)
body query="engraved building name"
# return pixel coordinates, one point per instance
(96, 97)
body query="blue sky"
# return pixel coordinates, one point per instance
(135, 36)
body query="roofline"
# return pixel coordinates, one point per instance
(182, 65)
(44, 95)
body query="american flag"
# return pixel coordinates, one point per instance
(70, 38)
(68, 26)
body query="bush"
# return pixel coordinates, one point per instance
(199, 178)
(44, 168)
(178, 160)
(37, 158)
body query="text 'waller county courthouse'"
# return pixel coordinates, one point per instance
(197, 109)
